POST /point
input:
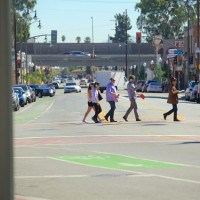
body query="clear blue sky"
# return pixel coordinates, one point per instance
(72, 18)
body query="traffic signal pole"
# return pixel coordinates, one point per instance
(6, 144)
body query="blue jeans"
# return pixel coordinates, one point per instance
(111, 111)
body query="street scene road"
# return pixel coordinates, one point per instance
(99, 100)
(57, 157)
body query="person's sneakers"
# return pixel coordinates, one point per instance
(84, 121)
(176, 120)
(97, 121)
(165, 116)
(125, 119)
(138, 120)
(101, 120)
(113, 120)
(106, 118)
(94, 119)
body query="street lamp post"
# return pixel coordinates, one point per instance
(92, 37)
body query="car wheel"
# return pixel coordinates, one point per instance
(51, 95)
(29, 100)
(39, 94)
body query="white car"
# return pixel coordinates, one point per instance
(72, 87)
(154, 87)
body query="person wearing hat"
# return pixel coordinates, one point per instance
(131, 88)
(111, 98)
(172, 99)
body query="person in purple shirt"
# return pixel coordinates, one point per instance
(111, 98)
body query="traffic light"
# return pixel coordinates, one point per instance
(175, 60)
(81, 69)
(18, 63)
(191, 60)
(180, 61)
(138, 37)
(179, 73)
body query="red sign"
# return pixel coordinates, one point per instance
(179, 43)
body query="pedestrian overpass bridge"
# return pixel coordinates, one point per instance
(99, 60)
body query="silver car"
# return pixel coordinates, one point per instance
(72, 87)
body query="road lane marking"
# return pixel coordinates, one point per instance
(155, 108)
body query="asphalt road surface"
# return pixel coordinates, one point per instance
(57, 157)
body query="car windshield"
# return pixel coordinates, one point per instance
(24, 87)
(17, 91)
(158, 84)
(70, 84)
(43, 87)
(35, 86)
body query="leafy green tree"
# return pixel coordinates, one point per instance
(88, 70)
(142, 74)
(165, 17)
(63, 38)
(21, 8)
(78, 39)
(120, 30)
(87, 40)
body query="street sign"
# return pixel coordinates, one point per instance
(178, 52)
(53, 37)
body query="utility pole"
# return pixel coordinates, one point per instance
(6, 137)
(126, 72)
(188, 42)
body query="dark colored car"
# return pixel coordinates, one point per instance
(42, 90)
(26, 90)
(56, 85)
(144, 88)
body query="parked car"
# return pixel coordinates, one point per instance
(42, 90)
(72, 87)
(33, 95)
(21, 95)
(140, 88)
(193, 94)
(144, 88)
(70, 78)
(154, 87)
(15, 100)
(50, 85)
(56, 84)
(83, 82)
(188, 91)
(26, 90)
(198, 92)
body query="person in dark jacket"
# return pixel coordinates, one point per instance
(172, 99)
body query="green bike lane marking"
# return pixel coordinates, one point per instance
(115, 161)
(31, 114)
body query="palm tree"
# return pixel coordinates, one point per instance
(87, 40)
(78, 39)
(63, 38)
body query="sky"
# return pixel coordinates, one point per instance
(72, 18)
